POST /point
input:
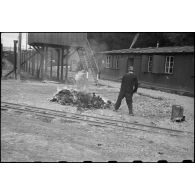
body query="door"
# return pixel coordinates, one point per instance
(130, 62)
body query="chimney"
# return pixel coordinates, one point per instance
(157, 45)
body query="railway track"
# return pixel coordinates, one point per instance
(91, 120)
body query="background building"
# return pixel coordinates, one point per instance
(168, 67)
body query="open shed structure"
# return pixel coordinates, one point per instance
(49, 55)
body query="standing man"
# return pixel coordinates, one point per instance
(129, 86)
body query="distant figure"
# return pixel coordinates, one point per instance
(129, 86)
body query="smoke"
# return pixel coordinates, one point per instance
(97, 47)
(134, 40)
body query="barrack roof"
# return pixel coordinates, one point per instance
(149, 50)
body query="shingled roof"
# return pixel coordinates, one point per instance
(149, 50)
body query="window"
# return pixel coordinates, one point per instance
(169, 62)
(108, 60)
(150, 64)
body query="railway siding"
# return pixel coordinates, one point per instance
(91, 120)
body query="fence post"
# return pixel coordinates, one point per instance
(19, 55)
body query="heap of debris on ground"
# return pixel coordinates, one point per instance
(81, 99)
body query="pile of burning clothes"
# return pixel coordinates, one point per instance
(81, 99)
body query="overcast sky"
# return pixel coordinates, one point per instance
(8, 39)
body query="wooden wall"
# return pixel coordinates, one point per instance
(182, 79)
(60, 39)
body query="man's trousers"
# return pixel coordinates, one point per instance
(128, 97)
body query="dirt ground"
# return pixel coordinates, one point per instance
(25, 138)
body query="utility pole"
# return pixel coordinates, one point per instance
(19, 55)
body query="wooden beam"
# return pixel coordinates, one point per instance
(46, 60)
(51, 62)
(19, 55)
(36, 64)
(15, 57)
(26, 62)
(42, 66)
(66, 74)
(58, 64)
(29, 61)
(1, 58)
(9, 73)
(62, 62)
(33, 63)
(39, 66)
(29, 67)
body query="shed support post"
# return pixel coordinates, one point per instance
(36, 64)
(58, 64)
(29, 62)
(25, 58)
(51, 60)
(33, 63)
(15, 57)
(45, 60)
(42, 66)
(66, 74)
(37, 72)
(44, 63)
(61, 62)
(24, 61)
(29, 53)
(24, 65)
(19, 55)
(1, 58)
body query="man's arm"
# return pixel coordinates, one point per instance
(122, 82)
(135, 85)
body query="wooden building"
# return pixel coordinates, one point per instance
(164, 67)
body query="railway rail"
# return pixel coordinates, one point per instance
(91, 120)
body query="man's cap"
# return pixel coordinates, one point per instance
(130, 68)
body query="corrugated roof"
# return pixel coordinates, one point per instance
(183, 49)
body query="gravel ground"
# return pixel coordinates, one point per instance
(25, 138)
(148, 107)
(156, 106)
